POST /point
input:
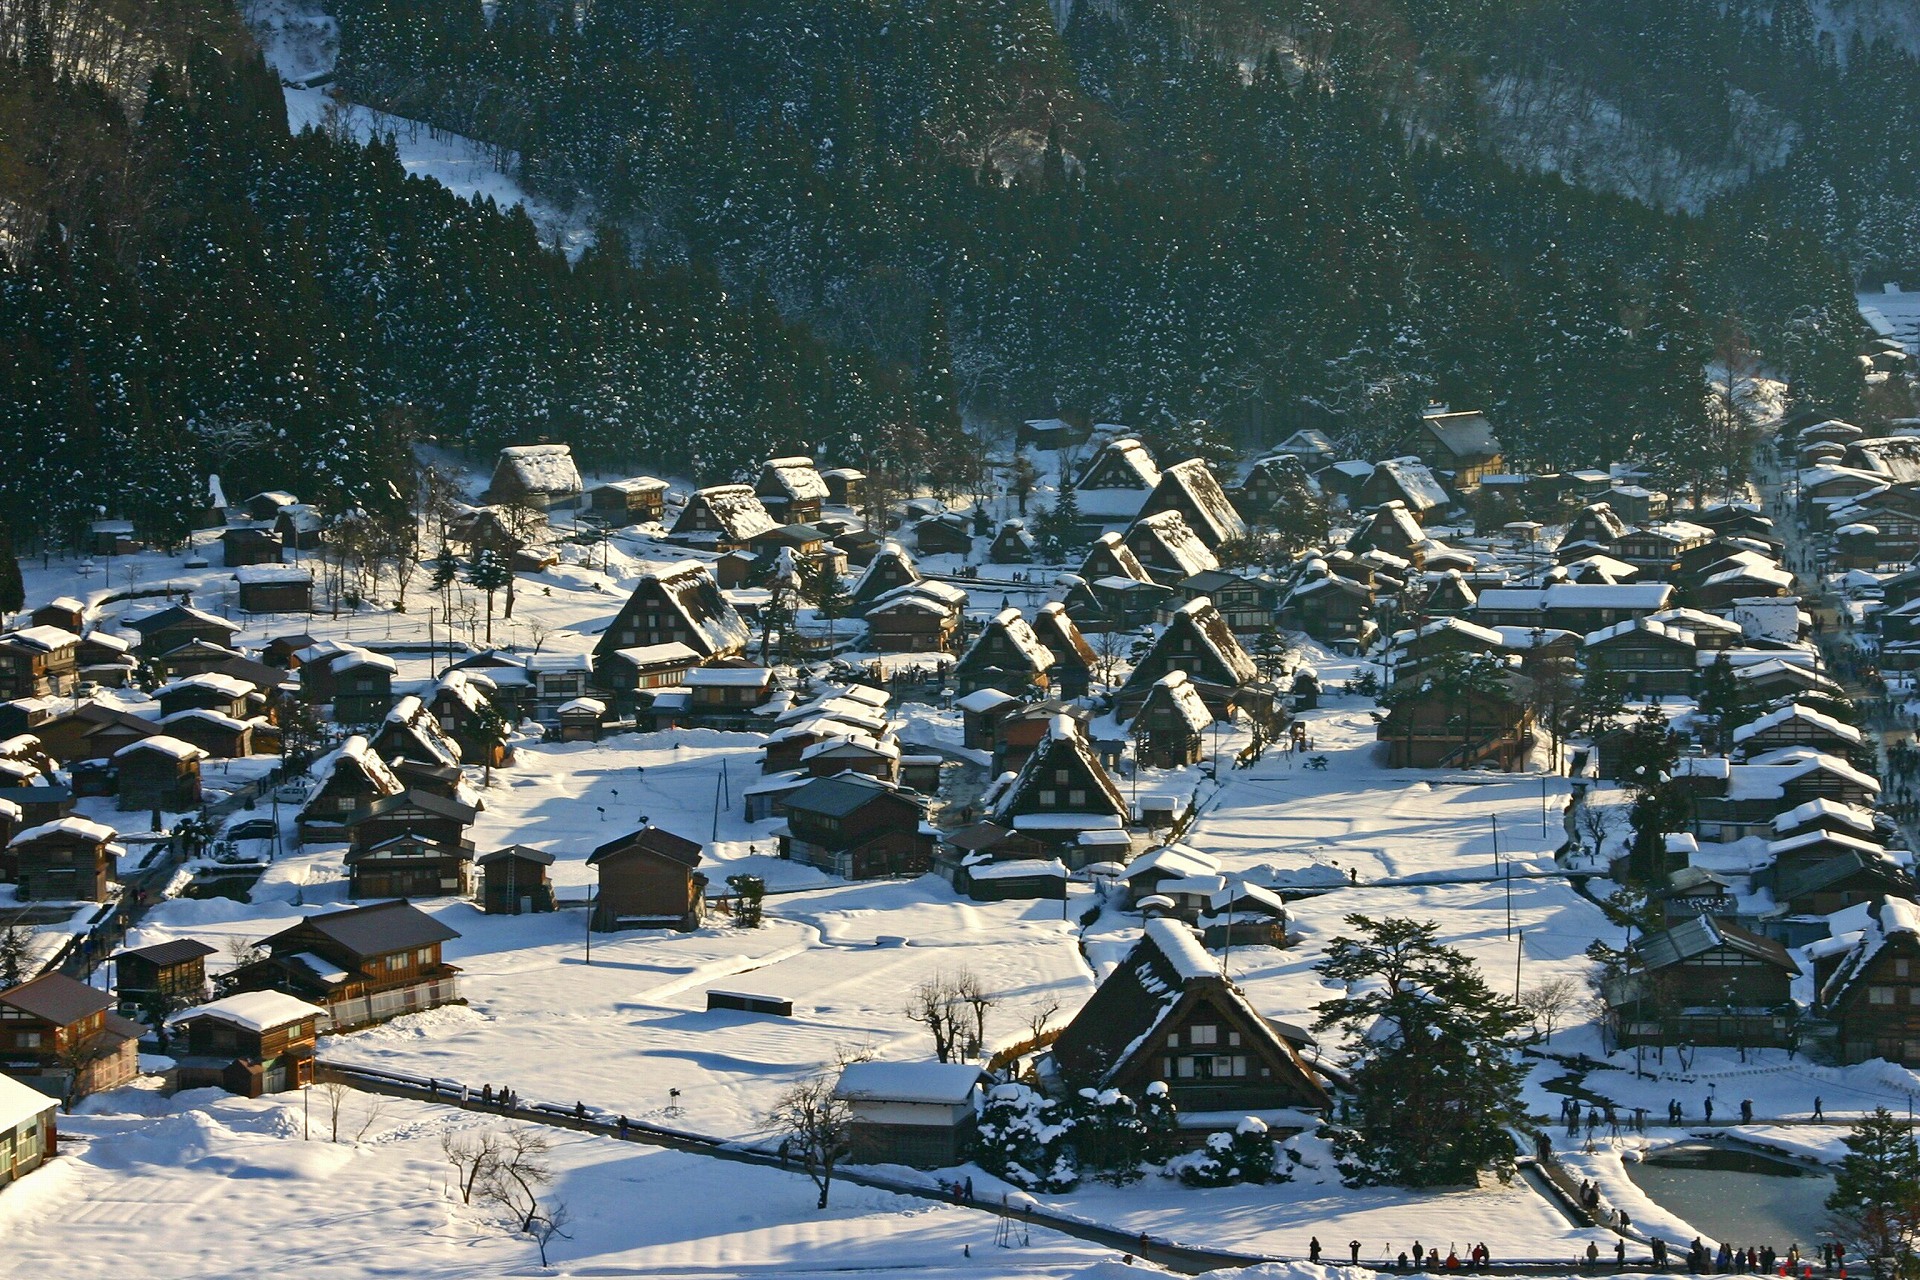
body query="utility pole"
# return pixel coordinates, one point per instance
(1505, 868)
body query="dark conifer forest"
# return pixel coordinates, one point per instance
(838, 222)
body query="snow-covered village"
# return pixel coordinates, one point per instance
(1006, 639)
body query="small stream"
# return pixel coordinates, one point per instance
(1742, 1197)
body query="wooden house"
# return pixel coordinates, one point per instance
(409, 865)
(857, 827)
(516, 880)
(418, 812)
(38, 662)
(250, 545)
(221, 736)
(1247, 602)
(1198, 642)
(1006, 655)
(161, 978)
(980, 713)
(1705, 981)
(1165, 545)
(266, 505)
(678, 606)
(1434, 642)
(1116, 482)
(1191, 489)
(1048, 434)
(275, 588)
(725, 517)
(1022, 727)
(941, 535)
(1168, 1014)
(1170, 729)
(1071, 673)
(1647, 657)
(1795, 725)
(207, 692)
(1112, 557)
(1637, 503)
(918, 1114)
(161, 772)
(845, 486)
(640, 500)
(1778, 678)
(1406, 480)
(1820, 888)
(1332, 608)
(985, 878)
(791, 490)
(64, 613)
(582, 720)
(1731, 801)
(164, 630)
(1571, 606)
(648, 879)
(921, 618)
(29, 1131)
(890, 569)
(1460, 447)
(362, 965)
(68, 859)
(1013, 544)
(1269, 482)
(54, 1028)
(1872, 996)
(411, 732)
(1244, 915)
(1449, 723)
(1391, 528)
(252, 1043)
(1061, 793)
(728, 695)
(344, 780)
(362, 685)
(541, 476)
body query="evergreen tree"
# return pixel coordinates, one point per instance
(1876, 1192)
(13, 591)
(1431, 1053)
(488, 574)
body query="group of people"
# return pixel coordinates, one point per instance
(1422, 1259)
(1703, 1260)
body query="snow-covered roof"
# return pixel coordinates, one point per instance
(212, 681)
(206, 715)
(1174, 859)
(1415, 480)
(541, 468)
(320, 967)
(257, 1011)
(1124, 464)
(1790, 713)
(1646, 626)
(797, 477)
(1018, 868)
(21, 1103)
(352, 657)
(728, 677)
(164, 744)
(1815, 810)
(83, 828)
(43, 638)
(356, 750)
(1182, 547)
(671, 653)
(1207, 501)
(255, 575)
(1182, 949)
(691, 589)
(933, 1083)
(981, 700)
(738, 510)
(1185, 700)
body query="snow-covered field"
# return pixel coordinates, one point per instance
(205, 1185)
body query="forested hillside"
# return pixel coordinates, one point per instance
(832, 222)
(1119, 220)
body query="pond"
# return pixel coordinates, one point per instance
(1738, 1196)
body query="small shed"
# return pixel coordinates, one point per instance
(275, 588)
(582, 719)
(250, 545)
(165, 976)
(919, 1114)
(516, 881)
(161, 772)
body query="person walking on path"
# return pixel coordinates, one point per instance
(1353, 1247)
(1709, 1108)
(1746, 1111)
(1313, 1249)
(1819, 1116)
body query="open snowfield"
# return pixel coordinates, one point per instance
(239, 1192)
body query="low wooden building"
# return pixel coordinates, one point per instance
(251, 1043)
(1705, 981)
(161, 978)
(1170, 729)
(649, 879)
(410, 865)
(919, 1114)
(516, 881)
(38, 662)
(363, 964)
(29, 1131)
(1872, 996)
(791, 489)
(343, 781)
(541, 476)
(1451, 723)
(161, 772)
(250, 545)
(165, 630)
(857, 827)
(640, 500)
(1006, 655)
(69, 859)
(61, 1035)
(275, 588)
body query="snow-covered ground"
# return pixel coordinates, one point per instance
(205, 1185)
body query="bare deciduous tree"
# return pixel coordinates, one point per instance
(814, 1125)
(519, 1172)
(953, 1008)
(473, 1157)
(1039, 1017)
(335, 1095)
(1549, 1003)
(549, 1224)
